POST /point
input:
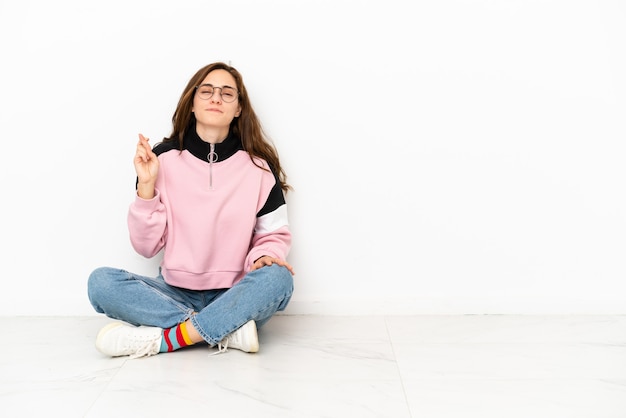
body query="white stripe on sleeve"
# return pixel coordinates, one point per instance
(272, 221)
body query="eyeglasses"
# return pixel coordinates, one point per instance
(228, 94)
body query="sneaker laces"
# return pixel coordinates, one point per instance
(147, 349)
(235, 339)
(221, 348)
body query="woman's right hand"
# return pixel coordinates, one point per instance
(147, 167)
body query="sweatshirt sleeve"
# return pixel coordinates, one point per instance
(147, 225)
(271, 236)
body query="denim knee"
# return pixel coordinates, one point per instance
(99, 285)
(282, 281)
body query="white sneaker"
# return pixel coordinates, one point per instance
(244, 339)
(118, 339)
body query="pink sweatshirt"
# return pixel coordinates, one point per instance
(213, 219)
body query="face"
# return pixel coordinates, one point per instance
(215, 112)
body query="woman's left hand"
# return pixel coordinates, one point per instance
(266, 260)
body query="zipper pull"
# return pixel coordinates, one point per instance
(211, 157)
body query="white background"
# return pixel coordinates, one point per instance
(448, 156)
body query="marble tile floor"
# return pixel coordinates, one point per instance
(324, 366)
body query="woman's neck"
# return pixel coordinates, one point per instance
(211, 135)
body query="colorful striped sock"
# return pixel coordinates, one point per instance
(175, 338)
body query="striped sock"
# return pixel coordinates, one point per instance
(175, 338)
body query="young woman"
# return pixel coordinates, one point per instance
(211, 196)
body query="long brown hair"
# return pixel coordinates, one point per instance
(247, 126)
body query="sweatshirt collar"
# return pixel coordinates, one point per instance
(200, 149)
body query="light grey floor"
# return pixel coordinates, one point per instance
(315, 366)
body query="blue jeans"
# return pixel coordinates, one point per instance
(141, 300)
